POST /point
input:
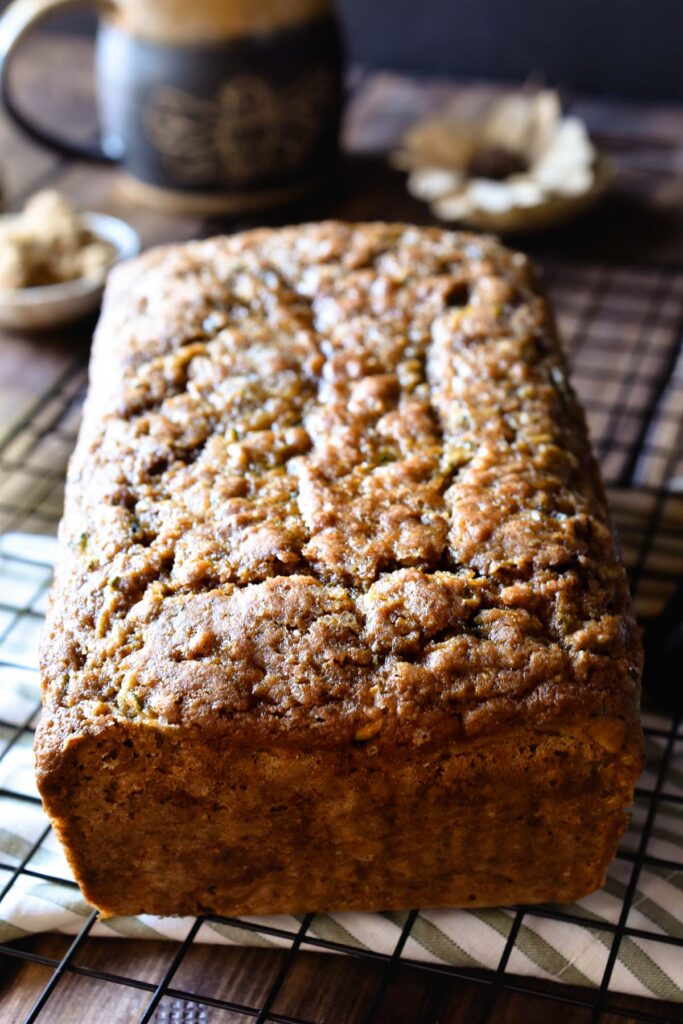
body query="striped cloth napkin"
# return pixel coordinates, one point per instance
(38, 893)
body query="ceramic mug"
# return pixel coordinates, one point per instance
(209, 105)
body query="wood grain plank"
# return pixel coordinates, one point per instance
(320, 988)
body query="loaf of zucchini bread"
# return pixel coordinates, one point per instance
(338, 620)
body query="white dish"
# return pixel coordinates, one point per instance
(54, 305)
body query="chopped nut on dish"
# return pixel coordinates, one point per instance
(49, 243)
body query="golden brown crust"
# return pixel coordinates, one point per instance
(333, 487)
(335, 468)
(172, 824)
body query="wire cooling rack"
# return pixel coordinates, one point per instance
(622, 328)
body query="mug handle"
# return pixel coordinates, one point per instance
(17, 21)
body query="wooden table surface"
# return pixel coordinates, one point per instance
(642, 220)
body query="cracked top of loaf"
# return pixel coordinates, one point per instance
(332, 482)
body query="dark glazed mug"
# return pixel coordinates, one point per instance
(209, 105)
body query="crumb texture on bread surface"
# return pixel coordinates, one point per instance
(334, 477)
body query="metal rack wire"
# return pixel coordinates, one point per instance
(622, 327)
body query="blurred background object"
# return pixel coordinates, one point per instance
(519, 166)
(210, 107)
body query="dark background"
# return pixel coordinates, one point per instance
(620, 47)
(628, 48)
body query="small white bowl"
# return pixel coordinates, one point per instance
(54, 305)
